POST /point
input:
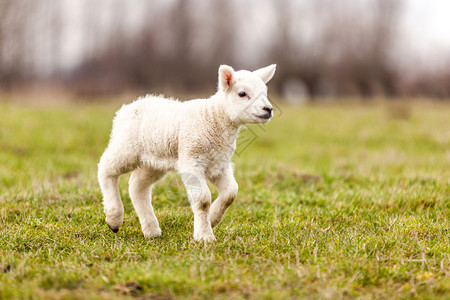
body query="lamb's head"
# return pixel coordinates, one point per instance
(245, 94)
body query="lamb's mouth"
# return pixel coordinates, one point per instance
(265, 117)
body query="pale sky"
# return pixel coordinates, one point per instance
(426, 30)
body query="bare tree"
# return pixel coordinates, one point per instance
(349, 46)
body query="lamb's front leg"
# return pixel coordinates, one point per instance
(200, 200)
(227, 188)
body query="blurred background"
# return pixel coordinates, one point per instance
(324, 49)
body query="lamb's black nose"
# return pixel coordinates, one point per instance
(268, 109)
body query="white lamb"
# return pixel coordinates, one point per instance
(197, 138)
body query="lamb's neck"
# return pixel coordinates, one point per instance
(218, 108)
(222, 123)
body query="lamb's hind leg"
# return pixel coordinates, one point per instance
(108, 177)
(140, 190)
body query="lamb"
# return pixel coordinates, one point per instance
(196, 138)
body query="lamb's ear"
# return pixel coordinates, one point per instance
(226, 77)
(266, 73)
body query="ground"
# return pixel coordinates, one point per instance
(335, 201)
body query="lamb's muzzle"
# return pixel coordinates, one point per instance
(268, 111)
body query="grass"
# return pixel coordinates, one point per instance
(335, 201)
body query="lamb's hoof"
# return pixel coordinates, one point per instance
(114, 229)
(215, 222)
(114, 221)
(206, 238)
(152, 233)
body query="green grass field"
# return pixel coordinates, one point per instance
(335, 201)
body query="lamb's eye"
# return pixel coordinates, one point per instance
(242, 94)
